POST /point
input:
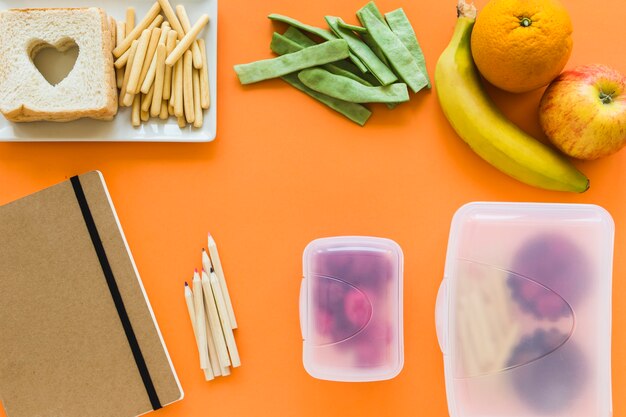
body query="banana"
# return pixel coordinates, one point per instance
(477, 120)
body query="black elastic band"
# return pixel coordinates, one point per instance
(115, 293)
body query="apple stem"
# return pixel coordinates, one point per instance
(606, 98)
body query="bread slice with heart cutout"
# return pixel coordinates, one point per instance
(88, 89)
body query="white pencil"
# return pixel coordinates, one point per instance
(200, 324)
(215, 363)
(207, 265)
(226, 326)
(217, 369)
(208, 374)
(216, 327)
(219, 271)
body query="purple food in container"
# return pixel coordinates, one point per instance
(351, 309)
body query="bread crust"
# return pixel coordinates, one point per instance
(25, 114)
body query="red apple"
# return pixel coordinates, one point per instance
(583, 112)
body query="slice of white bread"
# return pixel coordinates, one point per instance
(89, 89)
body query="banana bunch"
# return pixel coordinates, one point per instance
(475, 117)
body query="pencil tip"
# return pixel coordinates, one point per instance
(195, 270)
(203, 250)
(186, 284)
(212, 270)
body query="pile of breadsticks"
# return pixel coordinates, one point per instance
(161, 65)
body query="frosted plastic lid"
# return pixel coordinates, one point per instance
(351, 309)
(524, 311)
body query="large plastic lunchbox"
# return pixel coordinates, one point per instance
(524, 311)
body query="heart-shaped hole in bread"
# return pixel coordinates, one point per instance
(54, 61)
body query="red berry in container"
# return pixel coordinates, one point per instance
(357, 307)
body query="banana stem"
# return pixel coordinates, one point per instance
(464, 9)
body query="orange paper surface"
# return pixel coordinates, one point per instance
(285, 170)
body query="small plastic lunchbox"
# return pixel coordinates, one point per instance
(524, 311)
(351, 309)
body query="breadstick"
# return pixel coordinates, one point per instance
(187, 40)
(140, 56)
(163, 115)
(178, 90)
(173, 92)
(152, 46)
(147, 100)
(129, 68)
(119, 77)
(123, 60)
(167, 85)
(170, 110)
(188, 86)
(136, 114)
(182, 123)
(205, 94)
(157, 98)
(156, 22)
(184, 21)
(152, 70)
(137, 31)
(145, 116)
(120, 35)
(130, 19)
(171, 17)
(197, 105)
(128, 99)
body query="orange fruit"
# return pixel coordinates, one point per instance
(521, 45)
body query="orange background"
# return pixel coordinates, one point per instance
(285, 170)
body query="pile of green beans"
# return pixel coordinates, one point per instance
(350, 65)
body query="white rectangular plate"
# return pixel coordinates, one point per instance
(120, 129)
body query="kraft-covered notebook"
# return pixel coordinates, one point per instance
(78, 337)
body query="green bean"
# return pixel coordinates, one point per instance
(349, 90)
(300, 38)
(282, 45)
(353, 111)
(400, 25)
(350, 67)
(384, 75)
(309, 57)
(358, 29)
(371, 6)
(322, 33)
(398, 55)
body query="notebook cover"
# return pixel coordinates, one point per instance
(63, 349)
